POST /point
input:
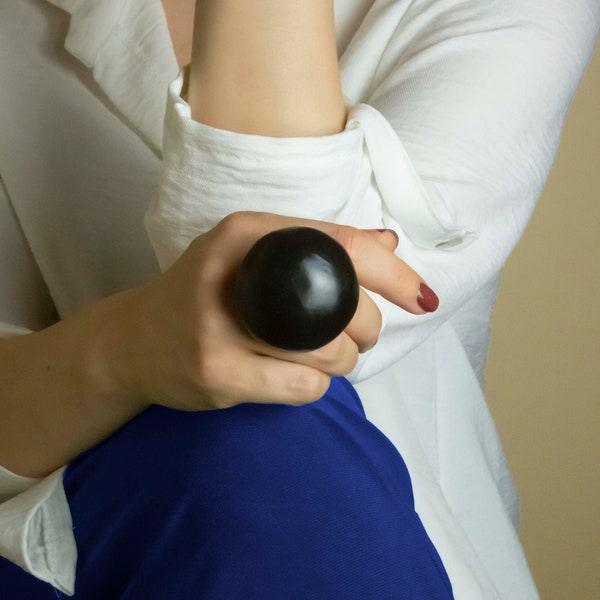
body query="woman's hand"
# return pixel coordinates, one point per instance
(186, 348)
(176, 341)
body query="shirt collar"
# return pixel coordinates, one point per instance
(127, 47)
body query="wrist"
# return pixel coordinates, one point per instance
(62, 391)
(109, 343)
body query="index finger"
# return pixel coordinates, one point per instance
(381, 271)
(377, 267)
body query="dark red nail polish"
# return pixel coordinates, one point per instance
(427, 298)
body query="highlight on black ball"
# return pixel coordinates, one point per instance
(296, 289)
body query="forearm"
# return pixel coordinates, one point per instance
(266, 67)
(57, 396)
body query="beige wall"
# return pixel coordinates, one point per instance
(543, 376)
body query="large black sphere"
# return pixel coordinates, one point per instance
(296, 289)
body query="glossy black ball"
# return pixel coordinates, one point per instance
(296, 289)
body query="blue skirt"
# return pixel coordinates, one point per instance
(254, 502)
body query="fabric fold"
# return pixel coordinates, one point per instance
(423, 218)
(100, 36)
(37, 533)
(209, 173)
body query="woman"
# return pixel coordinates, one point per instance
(448, 78)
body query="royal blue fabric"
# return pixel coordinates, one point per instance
(251, 502)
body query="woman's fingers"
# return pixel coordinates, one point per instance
(381, 271)
(201, 353)
(371, 251)
(365, 326)
(268, 380)
(237, 368)
(338, 357)
(386, 237)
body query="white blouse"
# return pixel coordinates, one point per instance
(454, 114)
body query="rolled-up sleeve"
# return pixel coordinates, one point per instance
(454, 117)
(209, 173)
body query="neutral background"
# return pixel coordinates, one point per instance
(543, 374)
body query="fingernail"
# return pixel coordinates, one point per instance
(427, 298)
(392, 232)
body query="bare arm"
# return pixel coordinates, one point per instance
(66, 388)
(264, 67)
(174, 342)
(267, 67)
(56, 398)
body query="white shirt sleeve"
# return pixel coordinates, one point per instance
(454, 117)
(12, 485)
(36, 528)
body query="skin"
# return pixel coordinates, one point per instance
(174, 341)
(285, 62)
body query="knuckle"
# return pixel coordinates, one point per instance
(202, 266)
(349, 363)
(232, 222)
(210, 373)
(330, 354)
(338, 357)
(239, 222)
(307, 387)
(351, 239)
(213, 401)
